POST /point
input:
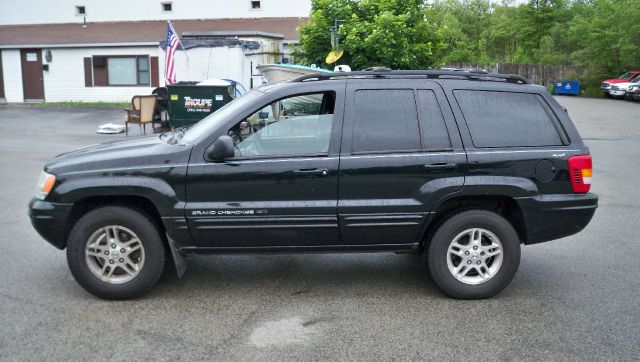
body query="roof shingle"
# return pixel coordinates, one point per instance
(138, 31)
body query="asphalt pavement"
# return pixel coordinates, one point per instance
(577, 298)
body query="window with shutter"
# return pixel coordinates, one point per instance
(123, 70)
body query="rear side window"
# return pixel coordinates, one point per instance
(503, 119)
(385, 120)
(432, 126)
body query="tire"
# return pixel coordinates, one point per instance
(498, 270)
(96, 233)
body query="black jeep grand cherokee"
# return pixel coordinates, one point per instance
(463, 167)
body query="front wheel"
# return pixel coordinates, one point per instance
(474, 254)
(115, 252)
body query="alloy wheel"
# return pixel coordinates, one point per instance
(474, 256)
(114, 254)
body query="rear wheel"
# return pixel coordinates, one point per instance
(115, 252)
(474, 254)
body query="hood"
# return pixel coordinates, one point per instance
(616, 81)
(109, 147)
(624, 84)
(120, 154)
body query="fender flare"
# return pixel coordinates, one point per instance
(484, 186)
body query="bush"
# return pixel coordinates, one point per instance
(592, 91)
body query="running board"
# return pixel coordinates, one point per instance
(310, 249)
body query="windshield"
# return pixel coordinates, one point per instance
(625, 76)
(209, 123)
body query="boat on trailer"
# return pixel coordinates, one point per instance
(276, 73)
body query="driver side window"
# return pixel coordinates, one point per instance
(297, 125)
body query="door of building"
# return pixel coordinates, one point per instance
(32, 74)
(2, 96)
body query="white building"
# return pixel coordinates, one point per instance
(96, 50)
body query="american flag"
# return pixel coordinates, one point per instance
(170, 51)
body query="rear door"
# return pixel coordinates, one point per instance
(401, 151)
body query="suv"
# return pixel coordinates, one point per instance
(462, 167)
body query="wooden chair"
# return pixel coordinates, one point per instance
(133, 113)
(142, 112)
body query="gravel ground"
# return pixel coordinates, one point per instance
(573, 299)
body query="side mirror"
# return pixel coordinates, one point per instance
(221, 149)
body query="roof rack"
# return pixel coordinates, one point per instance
(380, 72)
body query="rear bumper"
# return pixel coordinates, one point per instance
(49, 220)
(549, 217)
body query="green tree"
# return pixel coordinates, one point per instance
(455, 46)
(607, 36)
(500, 40)
(315, 39)
(393, 33)
(599, 37)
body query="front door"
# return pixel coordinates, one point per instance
(1, 79)
(281, 187)
(401, 152)
(32, 82)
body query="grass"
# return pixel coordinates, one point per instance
(594, 92)
(83, 104)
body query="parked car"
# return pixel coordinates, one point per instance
(625, 78)
(621, 90)
(461, 167)
(633, 91)
(636, 94)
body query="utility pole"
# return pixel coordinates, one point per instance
(335, 36)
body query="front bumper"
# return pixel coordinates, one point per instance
(49, 220)
(617, 93)
(550, 217)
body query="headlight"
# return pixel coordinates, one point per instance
(45, 185)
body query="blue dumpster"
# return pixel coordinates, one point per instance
(566, 87)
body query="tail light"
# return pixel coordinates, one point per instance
(580, 170)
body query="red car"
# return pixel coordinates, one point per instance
(626, 77)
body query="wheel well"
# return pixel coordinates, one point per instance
(502, 205)
(141, 204)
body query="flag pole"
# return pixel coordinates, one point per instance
(179, 41)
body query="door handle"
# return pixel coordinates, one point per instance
(312, 172)
(440, 166)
